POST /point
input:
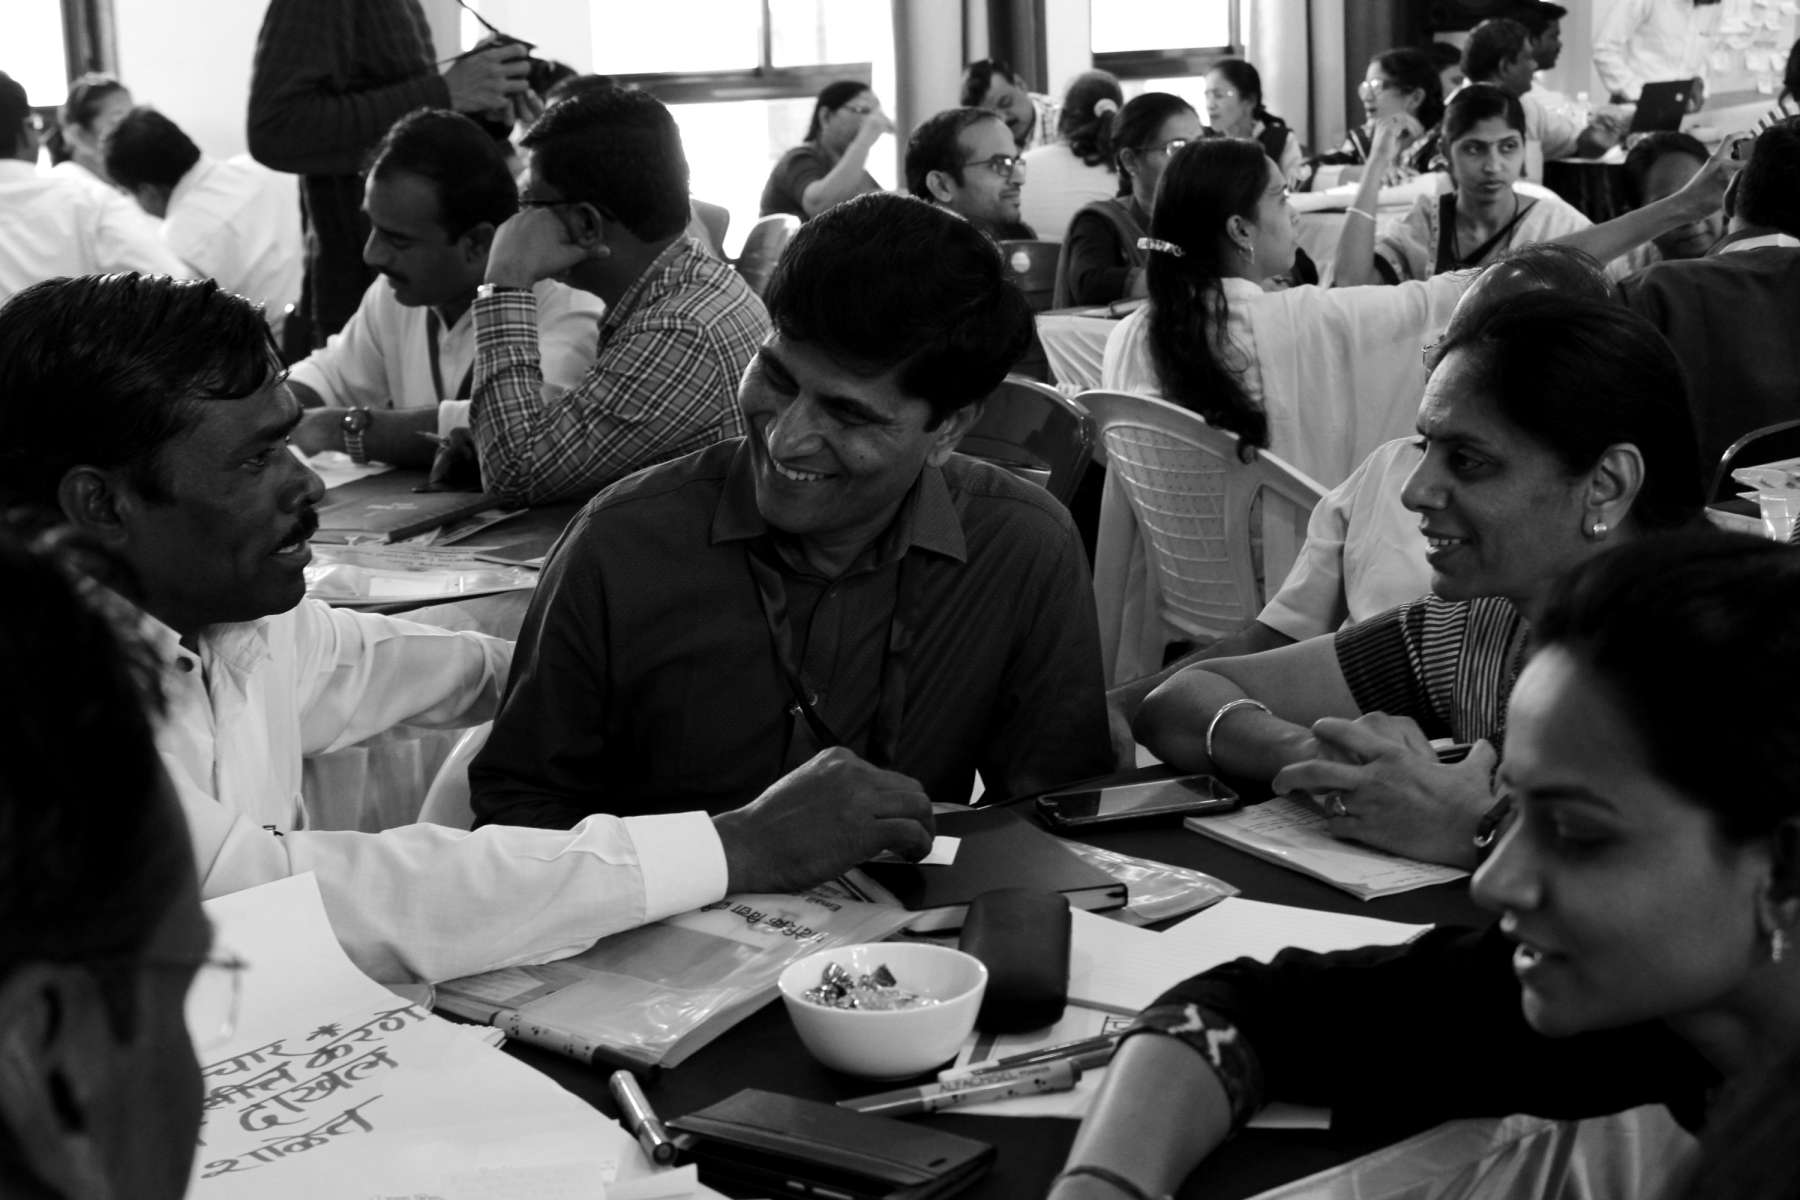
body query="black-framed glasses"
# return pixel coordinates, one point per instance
(528, 202)
(1003, 165)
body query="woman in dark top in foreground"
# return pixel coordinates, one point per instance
(1648, 889)
(1101, 259)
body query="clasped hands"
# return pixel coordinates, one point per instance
(1380, 783)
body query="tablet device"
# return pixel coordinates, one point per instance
(1661, 106)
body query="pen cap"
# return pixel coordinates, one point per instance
(1022, 937)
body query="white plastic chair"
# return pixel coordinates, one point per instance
(1174, 558)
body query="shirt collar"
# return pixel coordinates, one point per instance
(239, 646)
(927, 519)
(651, 281)
(188, 182)
(1755, 241)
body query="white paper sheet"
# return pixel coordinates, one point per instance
(332, 1086)
(1298, 836)
(1124, 969)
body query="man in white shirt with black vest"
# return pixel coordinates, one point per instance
(437, 189)
(151, 417)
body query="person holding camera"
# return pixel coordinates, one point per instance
(330, 77)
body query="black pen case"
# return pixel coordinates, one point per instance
(785, 1146)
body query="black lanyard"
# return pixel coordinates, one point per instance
(1447, 258)
(437, 379)
(884, 734)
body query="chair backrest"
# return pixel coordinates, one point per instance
(1192, 497)
(1771, 443)
(1032, 268)
(1035, 432)
(763, 246)
(715, 219)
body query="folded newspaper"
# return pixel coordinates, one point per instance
(656, 994)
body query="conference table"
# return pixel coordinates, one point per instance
(765, 1052)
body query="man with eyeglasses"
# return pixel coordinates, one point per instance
(151, 417)
(53, 225)
(404, 366)
(101, 933)
(604, 211)
(964, 159)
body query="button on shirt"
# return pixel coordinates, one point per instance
(647, 682)
(53, 225)
(419, 901)
(382, 356)
(663, 384)
(239, 222)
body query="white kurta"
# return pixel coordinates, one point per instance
(239, 222)
(59, 224)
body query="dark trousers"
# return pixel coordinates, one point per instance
(336, 229)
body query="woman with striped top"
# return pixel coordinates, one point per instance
(1552, 429)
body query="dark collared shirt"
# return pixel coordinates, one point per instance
(645, 680)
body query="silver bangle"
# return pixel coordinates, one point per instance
(1361, 212)
(1212, 726)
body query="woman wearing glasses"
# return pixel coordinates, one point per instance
(1234, 109)
(832, 164)
(1647, 889)
(1483, 217)
(1399, 83)
(1101, 261)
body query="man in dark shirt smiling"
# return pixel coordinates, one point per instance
(839, 578)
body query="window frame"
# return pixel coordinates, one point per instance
(1171, 62)
(762, 81)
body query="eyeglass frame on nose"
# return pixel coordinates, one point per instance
(861, 110)
(1006, 166)
(1168, 147)
(1378, 85)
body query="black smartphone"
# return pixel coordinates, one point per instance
(1186, 796)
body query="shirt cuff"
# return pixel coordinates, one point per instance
(453, 414)
(682, 862)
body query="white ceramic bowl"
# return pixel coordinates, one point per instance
(888, 1045)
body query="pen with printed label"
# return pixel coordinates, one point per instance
(969, 1089)
(640, 1118)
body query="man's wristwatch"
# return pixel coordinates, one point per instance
(355, 423)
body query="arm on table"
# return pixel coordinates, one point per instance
(1301, 682)
(362, 673)
(1124, 701)
(400, 437)
(844, 180)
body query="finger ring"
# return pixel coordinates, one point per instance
(1338, 808)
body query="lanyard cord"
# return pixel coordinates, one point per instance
(884, 736)
(437, 379)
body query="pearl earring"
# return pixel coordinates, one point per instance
(1598, 530)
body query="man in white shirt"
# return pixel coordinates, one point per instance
(152, 417)
(51, 225)
(1500, 52)
(403, 365)
(1653, 41)
(235, 221)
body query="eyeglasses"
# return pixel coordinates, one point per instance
(1221, 94)
(861, 110)
(1003, 165)
(1168, 147)
(1374, 87)
(527, 202)
(214, 997)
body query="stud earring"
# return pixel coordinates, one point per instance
(1598, 530)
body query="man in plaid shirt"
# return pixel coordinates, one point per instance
(605, 211)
